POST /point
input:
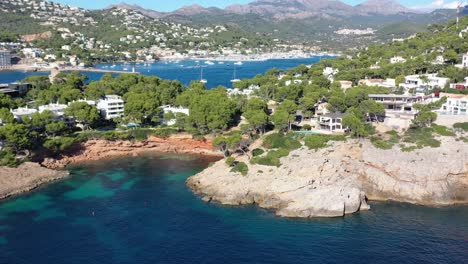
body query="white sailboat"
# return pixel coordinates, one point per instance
(234, 76)
(201, 76)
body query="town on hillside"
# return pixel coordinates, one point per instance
(71, 36)
(407, 87)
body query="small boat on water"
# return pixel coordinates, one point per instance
(209, 62)
(220, 62)
(201, 76)
(234, 76)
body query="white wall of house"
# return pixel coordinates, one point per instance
(111, 106)
(175, 110)
(457, 105)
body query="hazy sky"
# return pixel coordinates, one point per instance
(170, 5)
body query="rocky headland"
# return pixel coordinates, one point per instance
(98, 149)
(339, 179)
(26, 177)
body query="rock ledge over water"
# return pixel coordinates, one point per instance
(26, 177)
(338, 180)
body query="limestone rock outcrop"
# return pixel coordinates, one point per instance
(338, 180)
(26, 177)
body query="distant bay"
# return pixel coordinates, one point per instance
(215, 72)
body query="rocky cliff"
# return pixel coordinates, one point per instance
(339, 179)
(92, 150)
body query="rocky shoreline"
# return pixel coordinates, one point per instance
(26, 177)
(339, 179)
(93, 150)
(30, 175)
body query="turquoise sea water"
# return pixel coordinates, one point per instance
(186, 71)
(139, 210)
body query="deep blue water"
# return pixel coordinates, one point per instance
(186, 71)
(14, 76)
(139, 210)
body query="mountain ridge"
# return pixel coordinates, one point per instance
(284, 9)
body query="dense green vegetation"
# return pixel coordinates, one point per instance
(320, 141)
(237, 121)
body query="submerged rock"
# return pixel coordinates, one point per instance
(337, 180)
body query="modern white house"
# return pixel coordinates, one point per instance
(248, 92)
(399, 110)
(397, 59)
(457, 104)
(111, 106)
(56, 109)
(387, 83)
(175, 110)
(330, 73)
(331, 123)
(398, 103)
(21, 112)
(465, 60)
(417, 81)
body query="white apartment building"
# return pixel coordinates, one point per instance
(457, 104)
(111, 106)
(417, 81)
(465, 60)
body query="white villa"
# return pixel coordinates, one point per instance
(330, 73)
(172, 109)
(399, 111)
(465, 60)
(19, 113)
(56, 109)
(416, 81)
(387, 83)
(397, 59)
(331, 123)
(112, 106)
(457, 104)
(248, 92)
(394, 103)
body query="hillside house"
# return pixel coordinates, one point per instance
(332, 123)
(175, 110)
(457, 104)
(397, 59)
(431, 81)
(460, 86)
